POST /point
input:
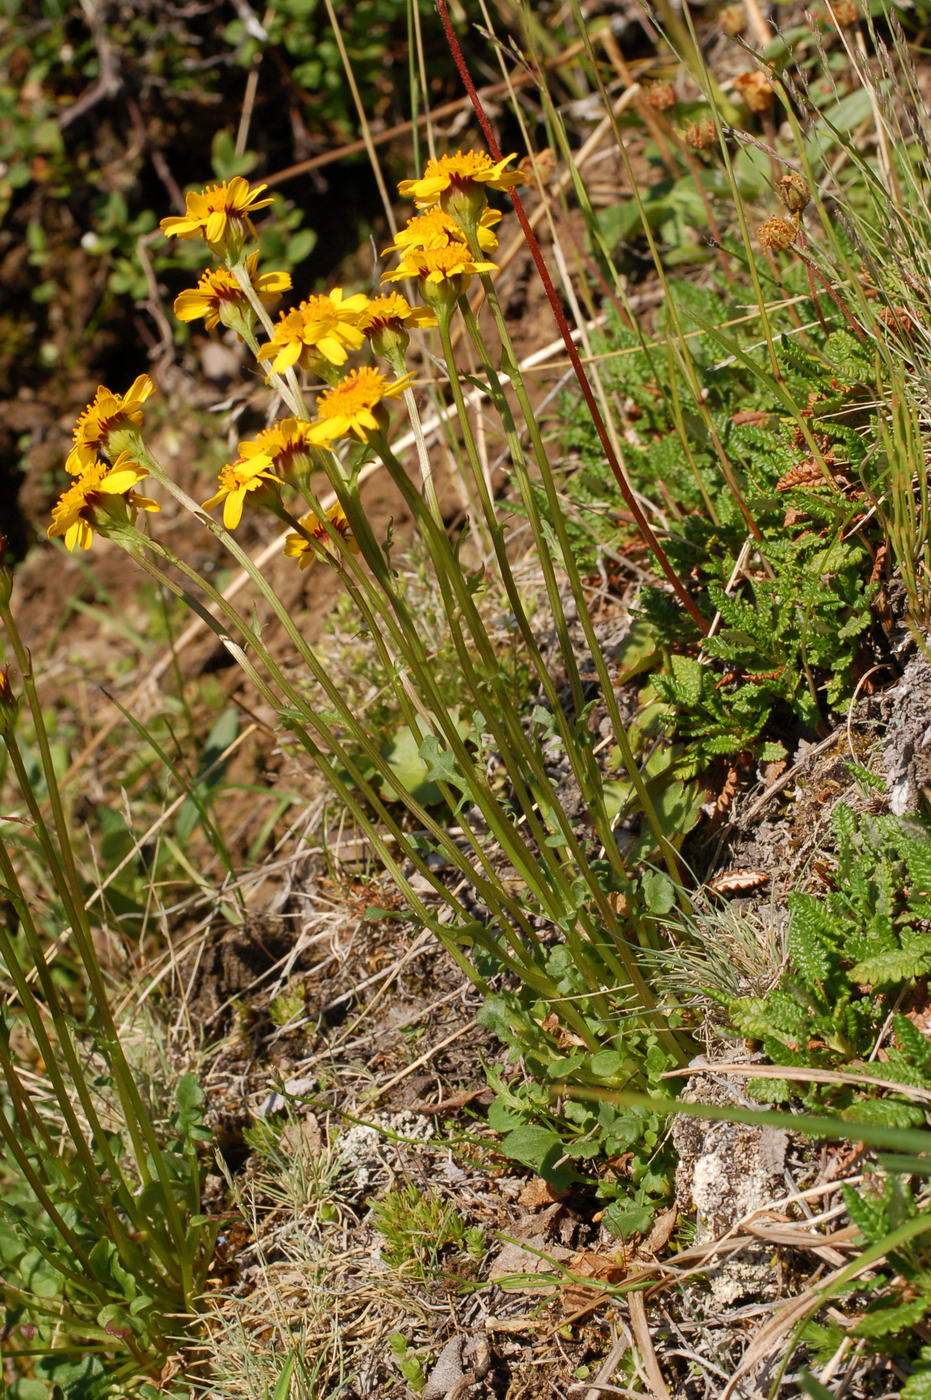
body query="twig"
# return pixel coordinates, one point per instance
(641, 1330)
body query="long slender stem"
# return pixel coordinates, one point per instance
(604, 437)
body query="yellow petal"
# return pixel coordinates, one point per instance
(216, 226)
(191, 305)
(116, 483)
(287, 357)
(232, 509)
(140, 389)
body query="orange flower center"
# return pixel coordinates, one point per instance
(360, 390)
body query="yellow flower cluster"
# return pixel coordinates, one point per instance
(441, 247)
(101, 496)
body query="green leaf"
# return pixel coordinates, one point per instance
(625, 1219)
(918, 1386)
(886, 1322)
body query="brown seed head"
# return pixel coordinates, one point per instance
(700, 135)
(896, 318)
(793, 192)
(660, 96)
(844, 12)
(733, 20)
(775, 235)
(755, 89)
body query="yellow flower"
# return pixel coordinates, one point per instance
(106, 417)
(287, 444)
(437, 229)
(322, 328)
(220, 214)
(469, 172)
(251, 472)
(92, 498)
(393, 312)
(436, 265)
(297, 546)
(350, 406)
(219, 297)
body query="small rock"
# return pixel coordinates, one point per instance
(447, 1371)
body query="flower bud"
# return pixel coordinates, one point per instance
(9, 701)
(793, 192)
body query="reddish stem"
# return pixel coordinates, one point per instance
(643, 525)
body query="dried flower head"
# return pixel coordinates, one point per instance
(107, 424)
(700, 135)
(844, 12)
(101, 497)
(306, 550)
(897, 319)
(219, 297)
(660, 96)
(321, 330)
(793, 192)
(219, 214)
(775, 234)
(755, 89)
(733, 20)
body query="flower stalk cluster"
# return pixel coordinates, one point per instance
(321, 356)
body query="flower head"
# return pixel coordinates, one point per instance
(306, 551)
(776, 235)
(386, 322)
(102, 495)
(219, 214)
(391, 311)
(468, 173)
(352, 404)
(251, 472)
(437, 229)
(287, 444)
(443, 272)
(107, 424)
(219, 297)
(322, 329)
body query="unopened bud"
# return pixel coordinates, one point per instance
(775, 235)
(793, 192)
